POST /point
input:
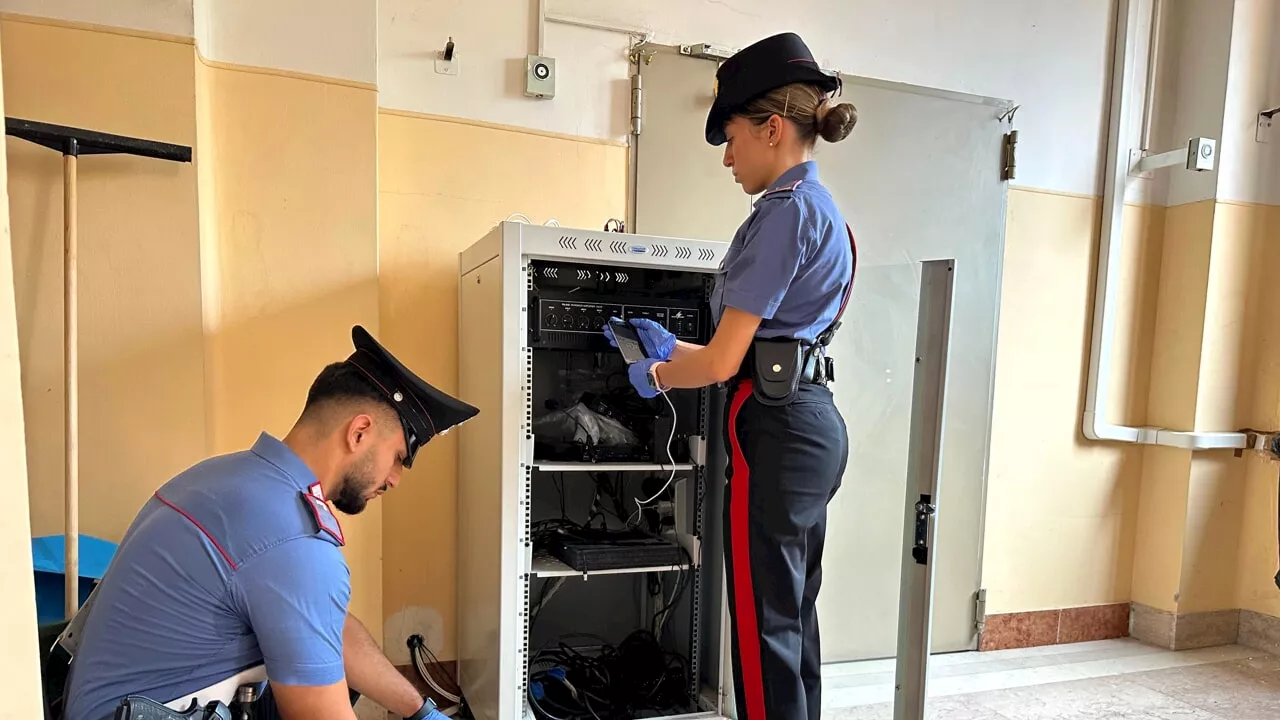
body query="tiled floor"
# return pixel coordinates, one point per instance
(1120, 679)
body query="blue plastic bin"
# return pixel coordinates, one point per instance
(48, 556)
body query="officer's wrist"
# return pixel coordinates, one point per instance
(428, 706)
(656, 381)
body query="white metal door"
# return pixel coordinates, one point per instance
(918, 179)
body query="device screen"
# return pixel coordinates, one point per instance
(628, 341)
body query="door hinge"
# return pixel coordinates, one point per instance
(1009, 156)
(637, 98)
(980, 610)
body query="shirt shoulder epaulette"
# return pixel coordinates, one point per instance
(327, 525)
(781, 192)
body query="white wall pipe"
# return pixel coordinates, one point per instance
(1153, 65)
(1094, 419)
(542, 27)
(638, 33)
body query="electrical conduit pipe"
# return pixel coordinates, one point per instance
(1094, 420)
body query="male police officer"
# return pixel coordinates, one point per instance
(234, 567)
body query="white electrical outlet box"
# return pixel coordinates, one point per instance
(1201, 154)
(540, 77)
(448, 67)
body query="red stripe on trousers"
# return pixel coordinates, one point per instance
(740, 544)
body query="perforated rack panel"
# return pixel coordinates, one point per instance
(540, 241)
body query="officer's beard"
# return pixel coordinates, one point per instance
(357, 482)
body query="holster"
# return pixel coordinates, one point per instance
(775, 365)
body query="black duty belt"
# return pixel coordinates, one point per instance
(818, 368)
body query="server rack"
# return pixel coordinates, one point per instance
(532, 300)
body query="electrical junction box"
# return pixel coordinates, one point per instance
(1200, 154)
(540, 77)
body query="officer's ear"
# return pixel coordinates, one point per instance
(359, 431)
(774, 129)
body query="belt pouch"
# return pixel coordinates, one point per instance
(775, 370)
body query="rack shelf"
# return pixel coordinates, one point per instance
(556, 466)
(547, 566)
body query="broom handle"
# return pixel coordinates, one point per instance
(72, 407)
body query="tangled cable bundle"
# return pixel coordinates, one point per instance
(635, 677)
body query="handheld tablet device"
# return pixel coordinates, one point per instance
(628, 340)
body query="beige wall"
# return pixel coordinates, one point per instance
(289, 239)
(1061, 511)
(211, 293)
(442, 185)
(1256, 548)
(1206, 535)
(19, 667)
(142, 408)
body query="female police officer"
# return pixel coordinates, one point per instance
(784, 281)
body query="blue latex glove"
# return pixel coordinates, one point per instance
(431, 712)
(658, 342)
(638, 373)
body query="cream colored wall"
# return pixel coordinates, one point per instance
(442, 185)
(1256, 551)
(19, 664)
(142, 410)
(211, 293)
(290, 242)
(1206, 521)
(1061, 512)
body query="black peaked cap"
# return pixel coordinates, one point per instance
(424, 411)
(755, 70)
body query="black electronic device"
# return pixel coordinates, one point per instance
(624, 333)
(594, 550)
(577, 322)
(570, 303)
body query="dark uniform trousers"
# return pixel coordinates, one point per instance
(785, 465)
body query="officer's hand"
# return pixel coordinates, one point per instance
(658, 341)
(638, 373)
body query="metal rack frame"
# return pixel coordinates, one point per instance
(514, 246)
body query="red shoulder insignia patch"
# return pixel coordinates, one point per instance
(325, 519)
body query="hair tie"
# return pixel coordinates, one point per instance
(820, 112)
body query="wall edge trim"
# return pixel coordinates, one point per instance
(1077, 196)
(290, 74)
(94, 27)
(1050, 191)
(395, 112)
(1247, 204)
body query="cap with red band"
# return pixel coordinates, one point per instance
(424, 411)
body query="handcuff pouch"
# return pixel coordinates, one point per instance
(776, 365)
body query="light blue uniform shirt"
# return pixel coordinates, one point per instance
(229, 565)
(789, 263)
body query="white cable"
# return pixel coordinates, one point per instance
(552, 222)
(670, 458)
(522, 216)
(430, 680)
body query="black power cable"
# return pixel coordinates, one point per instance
(636, 676)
